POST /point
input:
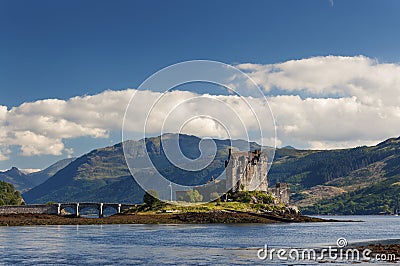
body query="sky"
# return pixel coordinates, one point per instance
(330, 69)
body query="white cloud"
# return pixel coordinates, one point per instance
(3, 112)
(330, 145)
(369, 81)
(39, 128)
(191, 113)
(332, 123)
(332, 101)
(320, 102)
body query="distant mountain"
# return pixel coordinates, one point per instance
(17, 178)
(39, 177)
(289, 147)
(23, 181)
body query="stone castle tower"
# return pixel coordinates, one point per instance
(247, 171)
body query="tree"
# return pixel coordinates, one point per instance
(151, 198)
(194, 196)
(215, 196)
(8, 195)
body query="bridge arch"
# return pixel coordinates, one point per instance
(79, 206)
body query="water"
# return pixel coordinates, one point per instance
(210, 244)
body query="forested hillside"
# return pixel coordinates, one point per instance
(8, 195)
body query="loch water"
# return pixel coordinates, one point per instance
(203, 244)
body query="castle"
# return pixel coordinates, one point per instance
(248, 171)
(245, 171)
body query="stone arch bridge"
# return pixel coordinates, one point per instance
(57, 208)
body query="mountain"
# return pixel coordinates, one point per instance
(289, 147)
(23, 181)
(86, 179)
(18, 178)
(102, 174)
(39, 177)
(8, 195)
(362, 180)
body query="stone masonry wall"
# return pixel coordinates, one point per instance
(281, 192)
(28, 209)
(247, 171)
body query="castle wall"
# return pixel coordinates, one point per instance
(247, 171)
(282, 193)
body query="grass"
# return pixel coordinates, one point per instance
(206, 207)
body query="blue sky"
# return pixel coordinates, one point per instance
(61, 49)
(66, 48)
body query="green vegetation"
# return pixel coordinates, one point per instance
(367, 175)
(319, 167)
(215, 196)
(9, 196)
(379, 198)
(252, 197)
(151, 198)
(246, 201)
(101, 175)
(192, 196)
(207, 207)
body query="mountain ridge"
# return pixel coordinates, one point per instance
(323, 174)
(24, 181)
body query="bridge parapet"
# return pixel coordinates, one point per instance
(29, 209)
(58, 207)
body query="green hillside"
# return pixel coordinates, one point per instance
(362, 180)
(379, 198)
(8, 195)
(379, 195)
(306, 169)
(85, 179)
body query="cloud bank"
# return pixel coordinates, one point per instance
(40, 127)
(319, 103)
(332, 101)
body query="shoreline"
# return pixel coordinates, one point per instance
(386, 247)
(214, 217)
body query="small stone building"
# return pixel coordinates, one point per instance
(281, 192)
